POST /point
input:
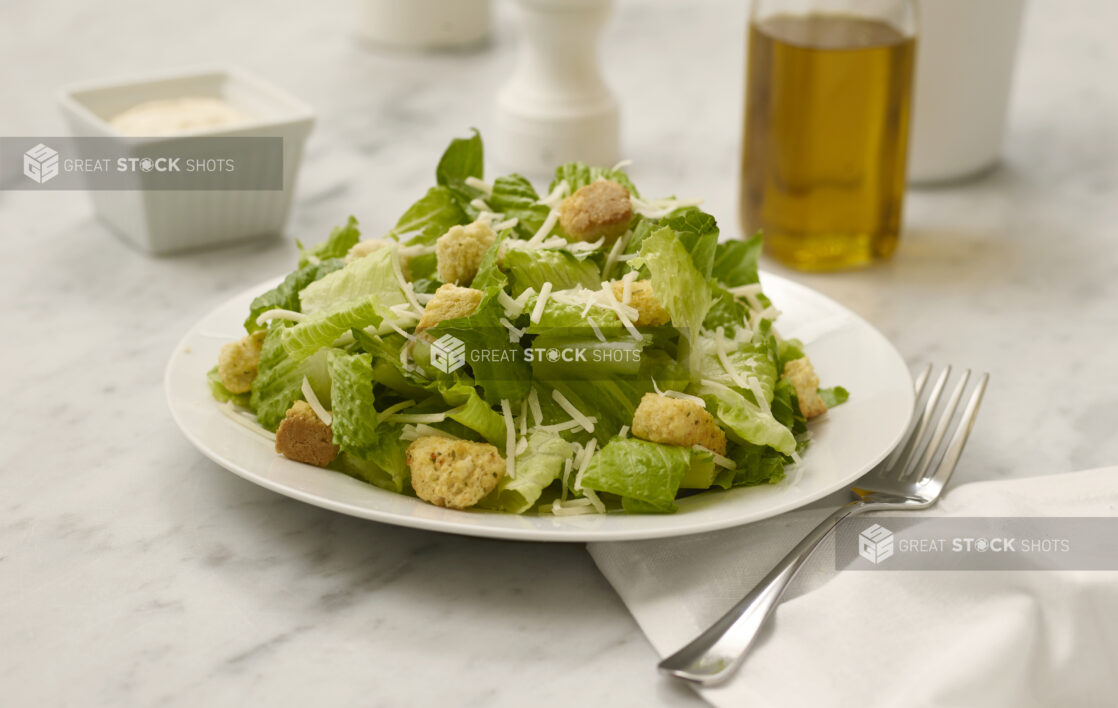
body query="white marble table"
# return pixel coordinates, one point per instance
(133, 571)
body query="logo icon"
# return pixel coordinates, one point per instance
(40, 163)
(875, 544)
(448, 353)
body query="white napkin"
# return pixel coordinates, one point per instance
(902, 638)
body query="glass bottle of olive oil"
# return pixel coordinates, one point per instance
(826, 129)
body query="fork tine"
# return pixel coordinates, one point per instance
(918, 389)
(958, 440)
(921, 379)
(916, 437)
(941, 428)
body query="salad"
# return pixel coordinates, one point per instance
(579, 350)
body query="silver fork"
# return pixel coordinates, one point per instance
(907, 479)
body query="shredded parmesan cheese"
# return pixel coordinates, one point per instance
(280, 314)
(316, 406)
(584, 463)
(545, 229)
(720, 460)
(478, 184)
(759, 394)
(541, 302)
(624, 432)
(510, 439)
(585, 421)
(534, 406)
(417, 417)
(593, 497)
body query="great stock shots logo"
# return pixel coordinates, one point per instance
(448, 353)
(40, 163)
(875, 544)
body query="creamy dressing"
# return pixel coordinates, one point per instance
(178, 115)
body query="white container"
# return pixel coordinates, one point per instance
(423, 24)
(556, 108)
(965, 52)
(166, 221)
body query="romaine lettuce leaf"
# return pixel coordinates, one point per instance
(375, 275)
(384, 464)
(639, 470)
(279, 379)
(324, 326)
(351, 395)
(698, 232)
(515, 197)
(430, 217)
(532, 268)
(285, 296)
(337, 245)
(464, 157)
(834, 396)
(677, 283)
(735, 262)
(579, 175)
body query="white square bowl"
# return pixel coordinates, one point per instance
(166, 221)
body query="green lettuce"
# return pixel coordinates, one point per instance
(337, 245)
(735, 262)
(579, 175)
(279, 379)
(285, 296)
(678, 284)
(644, 472)
(515, 197)
(324, 326)
(351, 394)
(430, 217)
(373, 275)
(532, 268)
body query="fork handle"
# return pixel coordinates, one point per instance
(716, 653)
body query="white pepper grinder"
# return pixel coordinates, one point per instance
(556, 107)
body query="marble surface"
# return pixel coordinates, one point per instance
(135, 572)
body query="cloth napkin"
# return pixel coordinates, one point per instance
(892, 638)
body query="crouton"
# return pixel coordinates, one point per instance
(676, 421)
(365, 247)
(450, 302)
(649, 309)
(238, 361)
(459, 251)
(302, 437)
(802, 375)
(599, 210)
(453, 473)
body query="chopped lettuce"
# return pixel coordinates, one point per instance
(530, 386)
(532, 268)
(285, 296)
(645, 472)
(341, 239)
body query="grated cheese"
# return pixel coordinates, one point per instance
(541, 302)
(545, 229)
(585, 421)
(534, 406)
(568, 425)
(571, 508)
(480, 206)
(521, 446)
(506, 224)
(685, 397)
(280, 314)
(593, 497)
(510, 439)
(416, 417)
(627, 286)
(720, 460)
(413, 432)
(523, 417)
(597, 330)
(315, 404)
(568, 465)
(561, 190)
(584, 463)
(759, 394)
(478, 184)
(743, 290)
(624, 432)
(514, 333)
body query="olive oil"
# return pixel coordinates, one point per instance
(826, 134)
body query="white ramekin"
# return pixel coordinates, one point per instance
(176, 220)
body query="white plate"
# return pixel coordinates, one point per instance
(848, 440)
